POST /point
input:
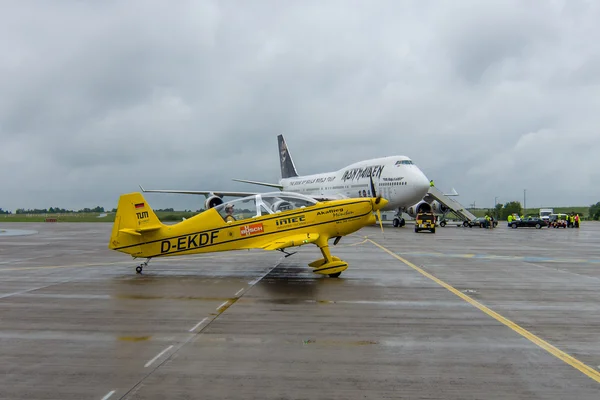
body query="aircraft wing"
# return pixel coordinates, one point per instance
(291, 241)
(200, 192)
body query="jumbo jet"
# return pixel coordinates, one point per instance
(396, 178)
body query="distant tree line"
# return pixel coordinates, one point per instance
(57, 210)
(2, 212)
(595, 211)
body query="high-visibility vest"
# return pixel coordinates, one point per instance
(510, 218)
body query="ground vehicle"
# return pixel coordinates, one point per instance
(558, 220)
(545, 213)
(481, 222)
(529, 222)
(425, 221)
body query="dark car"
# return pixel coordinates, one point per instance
(530, 222)
(480, 222)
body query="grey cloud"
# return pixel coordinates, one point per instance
(99, 97)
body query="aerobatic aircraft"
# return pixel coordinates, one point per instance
(269, 221)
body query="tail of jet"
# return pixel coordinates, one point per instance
(133, 220)
(288, 170)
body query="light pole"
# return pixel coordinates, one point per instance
(524, 201)
(495, 208)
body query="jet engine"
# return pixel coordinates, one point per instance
(421, 206)
(439, 208)
(212, 201)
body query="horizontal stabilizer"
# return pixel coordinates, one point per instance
(274, 185)
(139, 231)
(130, 231)
(291, 241)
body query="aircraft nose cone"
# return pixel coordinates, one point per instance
(421, 184)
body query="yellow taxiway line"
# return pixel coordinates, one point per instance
(572, 361)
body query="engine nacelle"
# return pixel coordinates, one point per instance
(212, 201)
(421, 206)
(438, 208)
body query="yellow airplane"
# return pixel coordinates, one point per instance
(269, 221)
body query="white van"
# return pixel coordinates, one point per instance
(545, 213)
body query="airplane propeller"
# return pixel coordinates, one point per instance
(377, 200)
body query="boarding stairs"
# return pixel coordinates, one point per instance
(452, 206)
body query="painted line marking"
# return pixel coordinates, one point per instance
(561, 355)
(67, 266)
(239, 291)
(222, 305)
(149, 363)
(198, 324)
(108, 395)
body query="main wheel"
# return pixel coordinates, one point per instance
(396, 222)
(402, 222)
(138, 269)
(335, 275)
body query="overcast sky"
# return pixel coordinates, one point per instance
(488, 97)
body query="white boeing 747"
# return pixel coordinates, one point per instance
(396, 178)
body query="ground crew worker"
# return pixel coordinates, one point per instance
(431, 183)
(576, 220)
(572, 220)
(487, 221)
(510, 218)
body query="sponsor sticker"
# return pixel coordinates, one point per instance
(251, 229)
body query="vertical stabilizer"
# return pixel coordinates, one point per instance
(288, 169)
(133, 220)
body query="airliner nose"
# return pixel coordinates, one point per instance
(421, 184)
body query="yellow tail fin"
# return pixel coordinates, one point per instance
(134, 218)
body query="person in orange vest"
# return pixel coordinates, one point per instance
(576, 220)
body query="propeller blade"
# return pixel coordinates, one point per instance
(372, 185)
(380, 223)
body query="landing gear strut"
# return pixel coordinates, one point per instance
(140, 267)
(328, 265)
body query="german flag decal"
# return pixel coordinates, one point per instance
(139, 205)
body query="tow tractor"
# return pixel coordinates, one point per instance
(424, 222)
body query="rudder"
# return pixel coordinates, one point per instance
(288, 169)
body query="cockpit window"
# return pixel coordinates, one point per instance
(404, 162)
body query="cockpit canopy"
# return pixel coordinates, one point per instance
(262, 204)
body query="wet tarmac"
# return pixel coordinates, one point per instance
(459, 314)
